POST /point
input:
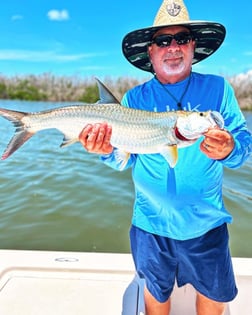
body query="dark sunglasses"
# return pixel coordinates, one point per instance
(165, 40)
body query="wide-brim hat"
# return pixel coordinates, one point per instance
(208, 35)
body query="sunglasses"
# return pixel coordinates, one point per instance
(165, 40)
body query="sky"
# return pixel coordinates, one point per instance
(83, 37)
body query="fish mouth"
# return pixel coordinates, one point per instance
(217, 119)
(191, 132)
(180, 136)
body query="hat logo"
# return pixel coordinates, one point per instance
(173, 9)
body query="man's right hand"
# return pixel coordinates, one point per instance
(96, 138)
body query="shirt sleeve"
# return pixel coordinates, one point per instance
(235, 123)
(113, 162)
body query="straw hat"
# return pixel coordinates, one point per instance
(208, 35)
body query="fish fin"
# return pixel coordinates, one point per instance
(13, 116)
(170, 153)
(67, 141)
(122, 158)
(18, 139)
(21, 133)
(106, 97)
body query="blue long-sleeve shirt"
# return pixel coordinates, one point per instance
(186, 201)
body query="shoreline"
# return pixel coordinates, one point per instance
(50, 88)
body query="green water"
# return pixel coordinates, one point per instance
(66, 199)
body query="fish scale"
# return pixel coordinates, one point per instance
(133, 130)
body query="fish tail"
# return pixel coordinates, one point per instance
(22, 134)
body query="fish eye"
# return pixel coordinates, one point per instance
(201, 114)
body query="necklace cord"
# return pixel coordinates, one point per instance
(179, 102)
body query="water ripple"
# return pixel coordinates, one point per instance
(66, 199)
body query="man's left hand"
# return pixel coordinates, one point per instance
(218, 144)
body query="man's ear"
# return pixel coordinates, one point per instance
(149, 48)
(194, 44)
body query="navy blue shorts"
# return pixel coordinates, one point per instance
(204, 262)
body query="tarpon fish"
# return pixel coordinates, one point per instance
(133, 131)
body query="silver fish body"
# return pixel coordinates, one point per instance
(133, 131)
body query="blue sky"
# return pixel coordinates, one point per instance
(83, 38)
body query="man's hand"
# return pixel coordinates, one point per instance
(96, 138)
(218, 144)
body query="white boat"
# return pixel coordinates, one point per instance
(74, 283)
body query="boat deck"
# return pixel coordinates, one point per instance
(73, 283)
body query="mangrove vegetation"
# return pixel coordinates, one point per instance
(48, 87)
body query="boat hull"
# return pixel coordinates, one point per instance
(67, 283)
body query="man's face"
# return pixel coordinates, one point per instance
(172, 63)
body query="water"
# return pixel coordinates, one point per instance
(66, 199)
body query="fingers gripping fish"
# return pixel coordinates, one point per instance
(133, 131)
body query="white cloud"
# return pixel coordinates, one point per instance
(248, 53)
(244, 77)
(42, 56)
(57, 15)
(17, 17)
(88, 68)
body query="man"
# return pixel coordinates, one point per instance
(179, 222)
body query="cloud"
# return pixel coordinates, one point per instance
(248, 53)
(17, 17)
(43, 56)
(88, 68)
(243, 77)
(57, 15)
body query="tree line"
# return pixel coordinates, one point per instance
(48, 87)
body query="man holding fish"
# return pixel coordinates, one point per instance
(179, 224)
